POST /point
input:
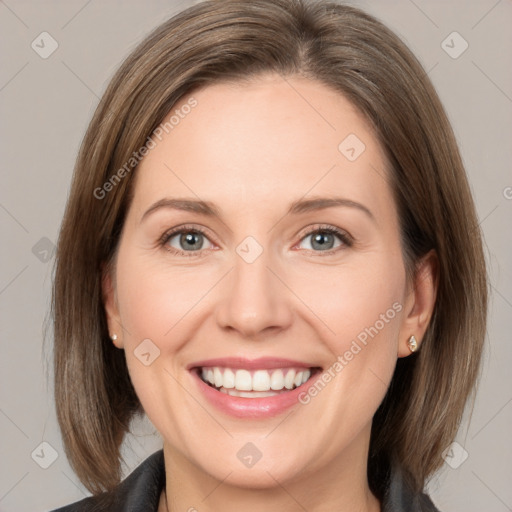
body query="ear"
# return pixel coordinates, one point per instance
(420, 302)
(110, 304)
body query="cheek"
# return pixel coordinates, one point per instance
(361, 309)
(155, 297)
(355, 301)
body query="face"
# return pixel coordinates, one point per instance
(261, 254)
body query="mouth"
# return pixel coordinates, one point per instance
(255, 383)
(253, 389)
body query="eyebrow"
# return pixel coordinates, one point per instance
(208, 209)
(322, 203)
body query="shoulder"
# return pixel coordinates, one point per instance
(140, 491)
(399, 497)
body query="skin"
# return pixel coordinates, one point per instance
(252, 150)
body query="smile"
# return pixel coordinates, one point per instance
(252, 388)
(254, 383)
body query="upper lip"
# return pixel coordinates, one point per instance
(261, 363)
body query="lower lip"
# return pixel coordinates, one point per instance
(263, 407)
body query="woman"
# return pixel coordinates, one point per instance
(270, 248)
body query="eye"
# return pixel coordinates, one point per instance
(186, 240)
(192, 240)
(326, 239)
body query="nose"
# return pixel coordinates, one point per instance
(255, 301)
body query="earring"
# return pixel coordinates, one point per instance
(412, 344)
(113, 337)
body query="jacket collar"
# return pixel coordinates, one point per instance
(399, 497)
(140, 492)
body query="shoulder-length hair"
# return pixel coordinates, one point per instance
(356, 55)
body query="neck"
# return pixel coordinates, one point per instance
(340, 484)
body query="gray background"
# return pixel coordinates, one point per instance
(45, 107)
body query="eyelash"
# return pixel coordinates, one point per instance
(179, 230)
(344, 237)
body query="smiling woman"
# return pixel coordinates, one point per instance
(288, 283)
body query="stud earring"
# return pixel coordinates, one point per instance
(113, 337)
(412, 344)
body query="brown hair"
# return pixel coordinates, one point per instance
(353, 53)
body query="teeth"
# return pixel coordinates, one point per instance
(247, 394)
(288, 380)
(243, 381)
(229, 379)
(256, 383)
(217, 377)
(277, 380)
(261, 381)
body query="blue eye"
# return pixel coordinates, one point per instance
(185, 240)
(326, 239)
(192, 241)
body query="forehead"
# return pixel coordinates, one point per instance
(253, 143)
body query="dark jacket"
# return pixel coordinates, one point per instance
(140, 492)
